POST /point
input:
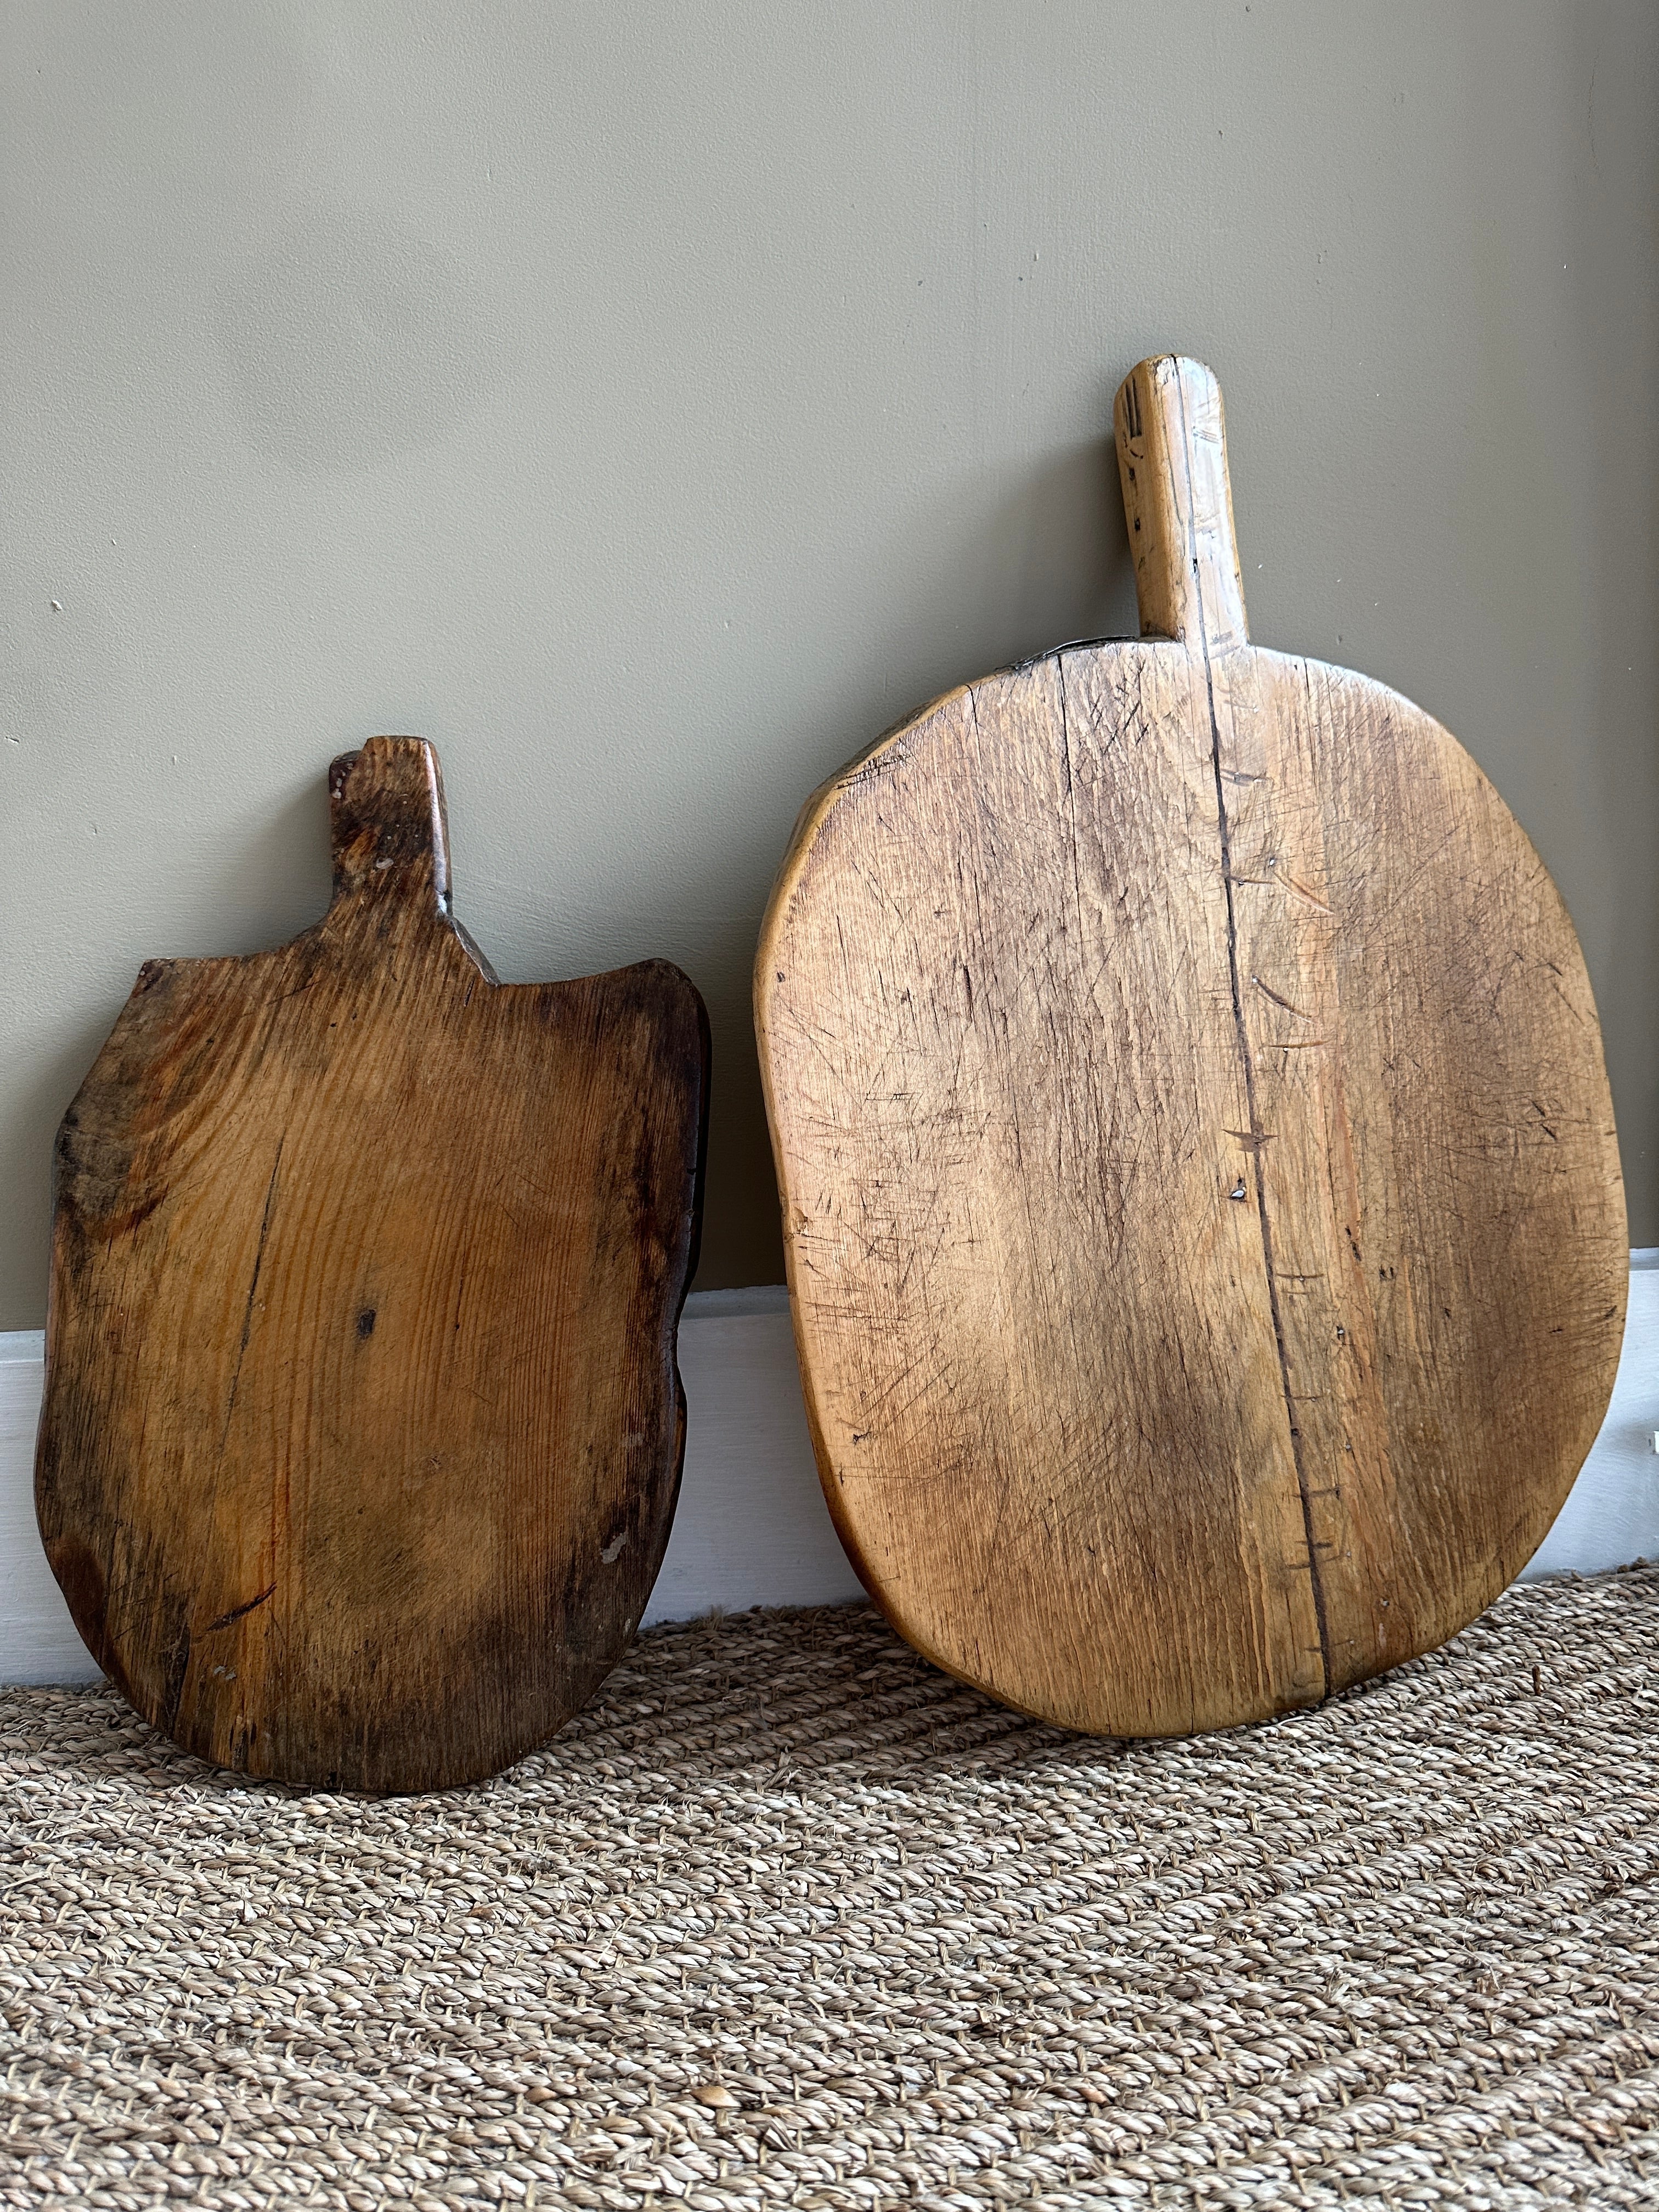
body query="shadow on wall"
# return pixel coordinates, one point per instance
(1059, 543)
(351, 339)
(281, 881)
(999, 578)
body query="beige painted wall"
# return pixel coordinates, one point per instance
(649, 403)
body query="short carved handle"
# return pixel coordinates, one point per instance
(1178, 503)
(390, 834)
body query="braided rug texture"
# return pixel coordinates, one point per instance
(788, 1919)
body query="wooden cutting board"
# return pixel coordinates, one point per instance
(1201, 1197)
(362, 1427)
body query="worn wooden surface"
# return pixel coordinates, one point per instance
(362, 1427)
(1201, 1196)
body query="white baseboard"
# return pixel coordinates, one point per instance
(752, 1527)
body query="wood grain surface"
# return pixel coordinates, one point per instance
(1201, 1201)
(362, 1427)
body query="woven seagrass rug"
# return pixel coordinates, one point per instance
(788, 1919)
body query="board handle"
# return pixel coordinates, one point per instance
(1178, 503)
(388, 826)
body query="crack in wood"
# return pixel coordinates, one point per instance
(1246, 1061)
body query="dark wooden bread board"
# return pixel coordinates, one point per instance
(362, 1426)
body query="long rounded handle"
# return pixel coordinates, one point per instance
(1178, 503)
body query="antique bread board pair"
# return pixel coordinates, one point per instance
(1201, 1197)
(362, 1426)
